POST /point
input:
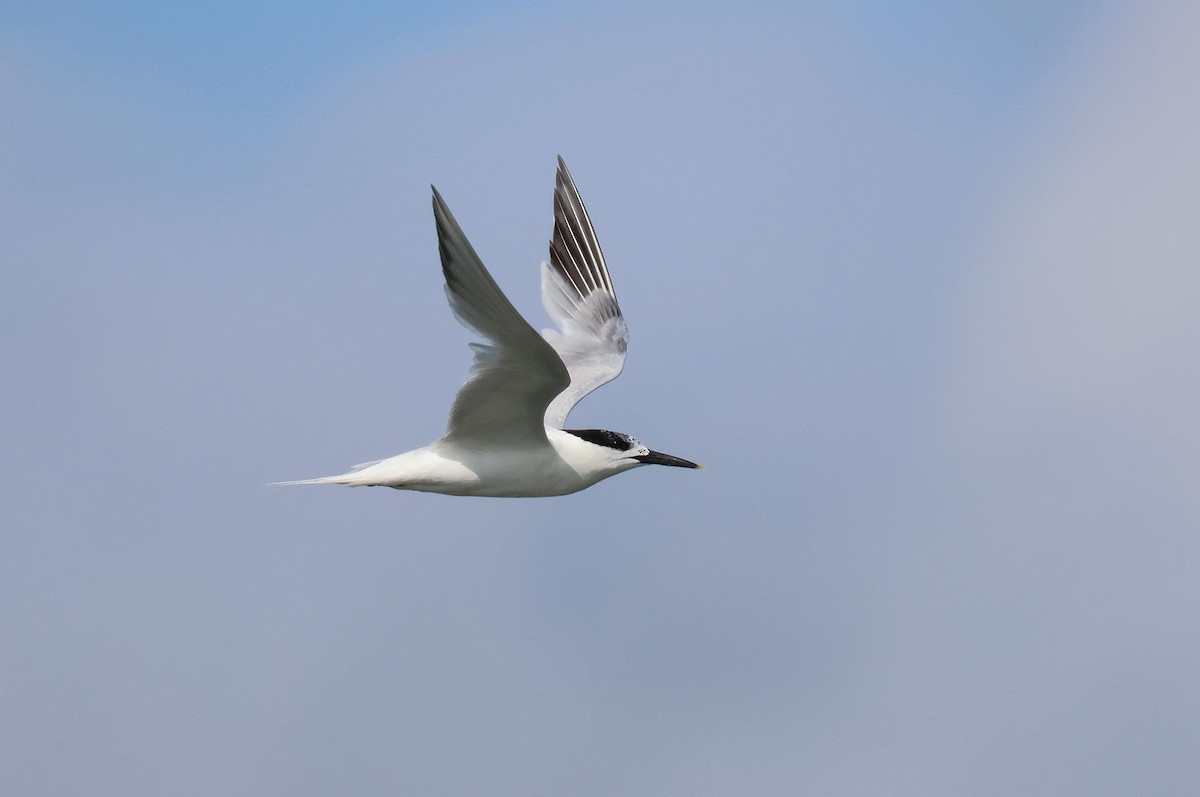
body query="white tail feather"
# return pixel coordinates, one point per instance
(345, 478)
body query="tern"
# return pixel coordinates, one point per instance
(505, 437)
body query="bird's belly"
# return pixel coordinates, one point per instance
(513, 474)
(522, 478)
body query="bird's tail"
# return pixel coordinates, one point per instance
(355, 477)
(345, 478)
(321, 480)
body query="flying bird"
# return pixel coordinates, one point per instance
(505, 437)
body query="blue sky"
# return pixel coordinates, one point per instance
(237, 71)
(915, 283)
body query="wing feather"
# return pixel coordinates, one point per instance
(577, 292)
(515, 376)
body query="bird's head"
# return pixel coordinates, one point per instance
(622, 452)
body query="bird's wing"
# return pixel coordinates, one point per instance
(517, 374)
(578, 294)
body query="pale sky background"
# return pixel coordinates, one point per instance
(917, 283)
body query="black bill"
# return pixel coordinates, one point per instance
(655, 458)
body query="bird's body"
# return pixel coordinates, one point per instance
(505, 436)
(565, 464)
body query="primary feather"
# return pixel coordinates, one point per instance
(578, 295)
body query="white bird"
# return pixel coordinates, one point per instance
(506, 435)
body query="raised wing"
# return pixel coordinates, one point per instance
(578, 294)
(514, 377)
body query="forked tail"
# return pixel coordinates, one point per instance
(354, 478)
(345, 478)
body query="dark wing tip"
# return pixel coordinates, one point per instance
(454, 249)
(574, 250)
